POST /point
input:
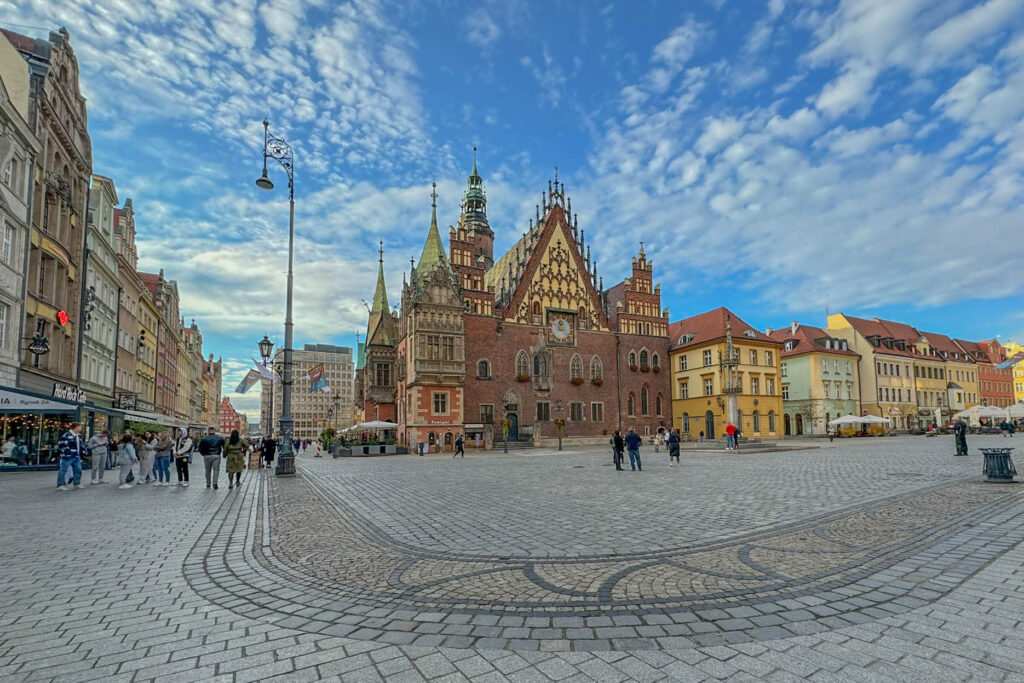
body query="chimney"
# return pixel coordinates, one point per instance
(769, 331)
(793, 327)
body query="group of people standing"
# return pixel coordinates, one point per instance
(152, 454)
(631, 444)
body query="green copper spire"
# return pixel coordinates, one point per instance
(433, 250)
(380, 296)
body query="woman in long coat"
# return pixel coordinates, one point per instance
(234, 450)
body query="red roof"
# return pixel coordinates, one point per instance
(941, 342)
(20, 42)
(806, 339)
(710, 326)
(885, 329)
(152, 282)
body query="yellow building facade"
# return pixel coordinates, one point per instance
(715, 356)
(1018, 371)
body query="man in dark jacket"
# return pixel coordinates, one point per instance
(210, 448)
(673, 447)
(269, 449)
(633, 442)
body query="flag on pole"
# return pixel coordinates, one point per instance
(248, 381)
(1011, 361)
(317, 381)
(264, 370)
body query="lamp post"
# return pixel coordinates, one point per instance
(266, 348)
(276, 148)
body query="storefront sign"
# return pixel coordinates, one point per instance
(68, 392)
(11, 401)
(40, 346)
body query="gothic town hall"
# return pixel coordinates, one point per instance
(516, 345)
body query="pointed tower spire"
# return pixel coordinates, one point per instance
(433, 250)
(380, 295)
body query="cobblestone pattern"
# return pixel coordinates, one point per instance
(93, 590)
(837, 570)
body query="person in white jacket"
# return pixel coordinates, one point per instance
(126, 459)
(183, 448)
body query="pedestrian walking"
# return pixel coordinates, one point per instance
(234, 453)
(164, 449)
(211, 447)
(71, 450)
(146, 451)
(633, 442)
(126, 459)
(458, 447)
(269, 449)
(730, 436)
(99, 448)
(183, 449)
(618, 447)
(673, 447)
(960, 436)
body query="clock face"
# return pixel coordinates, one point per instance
(560, 329)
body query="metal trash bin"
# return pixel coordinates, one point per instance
(998, 464)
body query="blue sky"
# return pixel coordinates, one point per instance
(775, 157)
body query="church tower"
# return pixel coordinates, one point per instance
(472, 246)
(381, 354)
(433, 349)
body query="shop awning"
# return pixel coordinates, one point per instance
(19, 402)
(152, 418)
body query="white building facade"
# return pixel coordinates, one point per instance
(312, 411)
(100, 300)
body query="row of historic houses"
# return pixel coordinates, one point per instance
(84, 336)
(531, 346)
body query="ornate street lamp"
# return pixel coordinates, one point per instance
(276, 148)
(266, 348)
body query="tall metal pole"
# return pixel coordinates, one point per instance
(278, 149)
(286, 459)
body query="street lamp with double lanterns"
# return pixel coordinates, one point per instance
(276, 148)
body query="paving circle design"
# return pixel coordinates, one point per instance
(291, 552)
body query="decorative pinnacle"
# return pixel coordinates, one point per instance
(474, 160)
(380, 251)
(433, 194)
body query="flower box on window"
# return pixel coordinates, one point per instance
(576, 381)
(656, 369)
(597, 381)
(645, 368)
(633, 368)
(522, 378)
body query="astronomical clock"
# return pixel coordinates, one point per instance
(561, 328)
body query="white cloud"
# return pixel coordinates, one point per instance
(549, 76)
(800, 125)
(851, 142)
(480, 28)
(852, 89)
(717, 133)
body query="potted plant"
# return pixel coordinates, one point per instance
(645, 368)
(596, 381)
(656, 369)
(576, 381)
(633, 367)
(522, 378)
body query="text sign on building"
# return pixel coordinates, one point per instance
(68, 392)
(10, 400)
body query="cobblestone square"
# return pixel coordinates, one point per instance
(865, 559)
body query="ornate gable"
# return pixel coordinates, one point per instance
(556, 277)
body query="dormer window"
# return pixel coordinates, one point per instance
(888, 343)
(790, 344)
(750, 334)
(686, 339)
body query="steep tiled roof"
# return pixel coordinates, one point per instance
(885, 329)
(710, 326)
(977, 351)
(152, 282)
(806, 339)
(941, 342)
(20, 42)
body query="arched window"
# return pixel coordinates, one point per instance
(536, 308)
(771, 421)
(576, 368)
(655, 361)
(632, 359)
(686, 423)
(522, 365)
(643, 401)
(757, 421)
(540, 364)
(631, 405)
(581, 321)
(596, 371)
(483, 369)
(657, 405)
(643, 359)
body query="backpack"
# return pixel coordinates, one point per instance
(204, 446)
